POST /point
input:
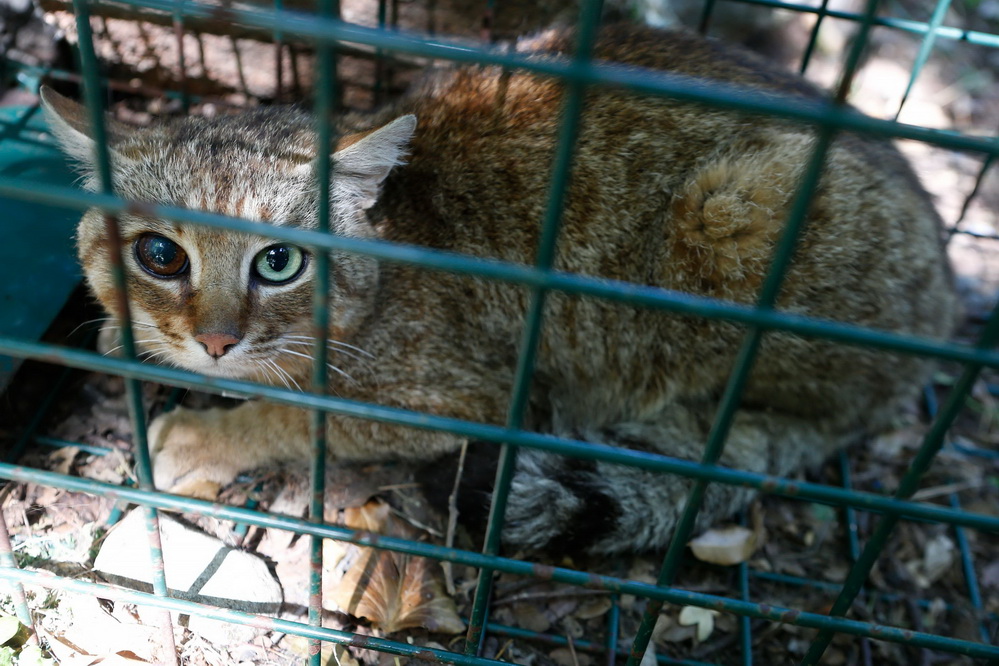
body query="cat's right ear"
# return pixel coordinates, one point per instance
(69, 122)
(362, 164)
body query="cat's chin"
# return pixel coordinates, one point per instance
(225, 368)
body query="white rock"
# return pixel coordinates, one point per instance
(198, 568)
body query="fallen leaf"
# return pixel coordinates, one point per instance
(990, 575)
(593, 608)
(563, 656)
(649, 658)
(725, 545)
(12, 632)
(938, 557)
(529, 616)
(61, 460)
(394, 591)
(32, 655)
(703, 618)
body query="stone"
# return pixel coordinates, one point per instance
(198, 568)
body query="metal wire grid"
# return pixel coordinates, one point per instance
(326, 32)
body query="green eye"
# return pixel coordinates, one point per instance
(278, 264)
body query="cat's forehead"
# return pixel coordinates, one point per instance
(253, 165)
(274, 135)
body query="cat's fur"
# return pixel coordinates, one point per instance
(663, 193)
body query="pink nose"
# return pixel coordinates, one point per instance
(217, 344)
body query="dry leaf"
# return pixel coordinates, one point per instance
(725, 545)
(529, 616)
(564, 656)
(702, 617)
(938, 557)
(594, 608)
(61, 460)
(12, 632)
(393, 590)
(649, 658)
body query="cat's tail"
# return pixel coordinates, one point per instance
(563, 505)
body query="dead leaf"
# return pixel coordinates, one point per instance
(937, 558)
(12, 632)
(703, 618)
(728, 545)
(61, 460)
(531, 617)
(649, 658)
(593, 608)
(667, 630)
(564, 656)
(395, 591)
(990, 575)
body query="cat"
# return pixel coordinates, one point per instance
(663, 193)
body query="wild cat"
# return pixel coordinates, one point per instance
(663, 193)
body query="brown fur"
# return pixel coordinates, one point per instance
(663, 193)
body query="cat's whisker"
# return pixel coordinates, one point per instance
(311, 358)
(286, 374)
(91, 321)
(329, 341)
(149, 356)
(284, 350)
(340, 372)
(265, 372)
(331, 366)
(311, 345)
(281, 373)
(275, 371)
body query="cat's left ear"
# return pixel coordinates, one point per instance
(360, 167)
(69, 122)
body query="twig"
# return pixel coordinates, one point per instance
(572, 651)
(415, 523)
(946, 489)
(499, 654)
(452, 519)
(554, 594)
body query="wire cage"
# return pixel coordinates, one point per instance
(331, 37)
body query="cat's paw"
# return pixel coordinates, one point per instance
(189, 453)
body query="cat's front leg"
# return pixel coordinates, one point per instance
(196, 452)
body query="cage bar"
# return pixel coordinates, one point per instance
(572, 109)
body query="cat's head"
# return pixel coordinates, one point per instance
(216, 301)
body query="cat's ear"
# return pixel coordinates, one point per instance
(70, 124)
(360, 167)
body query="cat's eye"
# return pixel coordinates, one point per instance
(160, 256)
(278, 264)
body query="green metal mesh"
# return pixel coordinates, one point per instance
(327, 32)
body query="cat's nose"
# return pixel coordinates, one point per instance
(217, 344)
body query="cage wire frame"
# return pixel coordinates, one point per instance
(326, 31)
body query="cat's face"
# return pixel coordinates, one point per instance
(216, 301)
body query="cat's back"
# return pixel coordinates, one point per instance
(682, 196)
(665, 192)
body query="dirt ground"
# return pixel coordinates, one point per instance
(800, 551)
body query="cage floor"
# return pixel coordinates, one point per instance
(932, 578)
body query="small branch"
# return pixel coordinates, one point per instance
(452, 518)
(554, 594)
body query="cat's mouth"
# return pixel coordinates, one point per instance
(286, 361)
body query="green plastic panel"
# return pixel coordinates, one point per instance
(38, 269)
